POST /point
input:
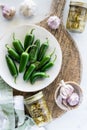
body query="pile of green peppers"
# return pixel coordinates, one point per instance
(29, 58)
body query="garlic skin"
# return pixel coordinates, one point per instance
(66, 91)
(27, 8)
(53, 22)
(8, 12)
(73, 100)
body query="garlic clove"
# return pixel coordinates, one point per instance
(53, 22)
(8, 12)
(66, 90)
(64, 102)
(59, 102)
(73, 100)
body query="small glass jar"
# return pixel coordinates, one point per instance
(38, 109)
(77, 16)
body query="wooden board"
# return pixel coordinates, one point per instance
(71, 64)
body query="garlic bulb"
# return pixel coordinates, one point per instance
(8, 12)
(27, 8)
(53, 22)
(66, 90)
(73, 99)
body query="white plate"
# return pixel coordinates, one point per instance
(42, 34)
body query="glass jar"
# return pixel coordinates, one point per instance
(77, 16)
(38, 109)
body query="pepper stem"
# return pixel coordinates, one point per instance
(29, 48)
(7, 46)
(32, 30)
(55, 58)
(13, 36)
(47, 76)
(47, 39)
(52, 52)
(15, 80)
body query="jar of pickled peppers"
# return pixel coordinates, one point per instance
(77, 16)
(37, 108)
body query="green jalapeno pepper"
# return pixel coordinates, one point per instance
(12, 53)
(12, 67)
(34, 51)
(17, 45)
(45, 60)
(38, 75)
(24, 59)
(29, 38)
(28, 72)
(37, 43)
(33, 54)
(36, 64)
(43, 50)
(48, 65)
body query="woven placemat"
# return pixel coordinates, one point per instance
(71, 64)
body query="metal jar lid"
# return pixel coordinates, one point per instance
(79, 3)
(33, 98)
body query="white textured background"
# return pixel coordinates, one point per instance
(76, 119)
